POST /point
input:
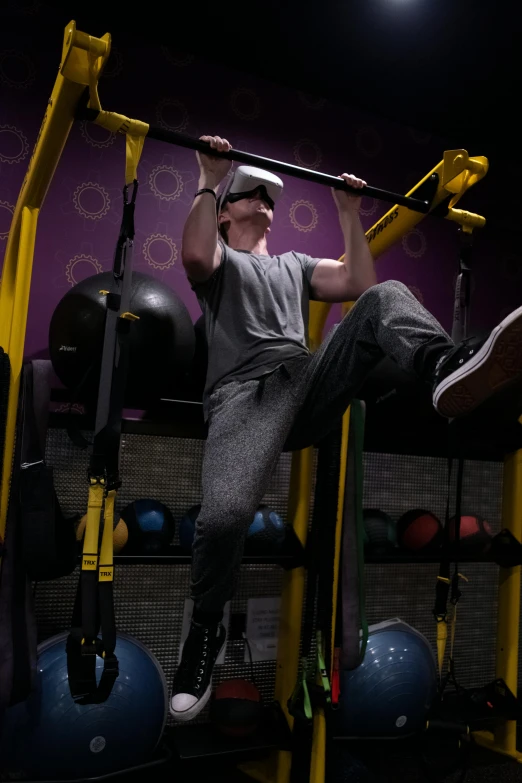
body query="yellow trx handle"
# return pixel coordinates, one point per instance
(106, 572)
(467, 220)
(135, 131)
(92, 526)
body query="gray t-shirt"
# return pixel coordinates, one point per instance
(256, 314)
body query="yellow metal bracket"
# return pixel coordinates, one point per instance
(82, 56)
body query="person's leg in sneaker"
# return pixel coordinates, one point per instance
(248, 424)
(388, 320)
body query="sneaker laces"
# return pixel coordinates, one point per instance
(473, 342)
(195, 656)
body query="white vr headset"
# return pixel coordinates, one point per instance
(245, 180)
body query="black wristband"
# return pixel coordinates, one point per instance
(205, 190)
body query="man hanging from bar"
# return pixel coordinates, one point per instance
(266, 392)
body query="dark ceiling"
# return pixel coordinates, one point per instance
(452, 67)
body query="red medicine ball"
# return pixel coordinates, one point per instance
(475, 535)
(236, 709)
(419, 531)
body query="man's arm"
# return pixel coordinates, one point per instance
(200, 252)
(334, 281)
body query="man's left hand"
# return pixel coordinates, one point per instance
(349, 202)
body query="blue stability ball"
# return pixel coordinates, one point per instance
(266, 531)
(390, 693)
(50, 736)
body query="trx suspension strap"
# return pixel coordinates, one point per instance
(447, 585)
(94, 605)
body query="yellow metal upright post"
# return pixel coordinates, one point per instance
(505, 738)
(83, 57)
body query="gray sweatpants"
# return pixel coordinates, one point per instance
(251, 422)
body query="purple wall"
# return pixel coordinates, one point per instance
(80, 219)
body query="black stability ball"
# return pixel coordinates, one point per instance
(161, 341)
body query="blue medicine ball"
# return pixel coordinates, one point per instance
(391, 692)
(266, 532)
(52, 736)
(151, 527)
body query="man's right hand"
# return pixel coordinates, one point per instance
(213, 169)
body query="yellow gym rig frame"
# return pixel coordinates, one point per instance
(83, 58)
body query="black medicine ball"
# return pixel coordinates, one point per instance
(161, 341)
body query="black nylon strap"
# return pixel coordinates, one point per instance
(94, 607)
(462, 289)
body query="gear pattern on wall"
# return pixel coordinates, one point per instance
(178, 58)
(11, 137)
(177, 123)
(307, 154)
(368, 141)
(27, 8)
(166, 182)
(156, 243)
(6, 214)
(420, 137)
(369, 206)
(245, 103)
(417, 293)
(88, 128)
(311, 101)
(82, 259)
(114, 65)
(414, 243)
(84, 193)
(12, 64)
(299, 221)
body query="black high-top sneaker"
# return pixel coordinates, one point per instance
(479, 367)
(193, 680)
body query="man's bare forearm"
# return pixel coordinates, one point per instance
(358, 259)
(200, 233)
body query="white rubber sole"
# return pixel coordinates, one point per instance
(495, 366)
(199, 706)
(192, 712)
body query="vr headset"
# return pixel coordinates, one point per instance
(245, 181)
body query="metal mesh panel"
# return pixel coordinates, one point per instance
(149, 599)
(396, 483)
(166, 469)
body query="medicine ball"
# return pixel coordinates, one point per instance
(120, 533)
(419, 531)
(151, 527)
(266, 533)
(53, 736)
(161, 341)
(475, 535)
(380, 534)
(390, 693)
(236, 709)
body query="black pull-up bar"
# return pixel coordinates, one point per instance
(182, 140)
